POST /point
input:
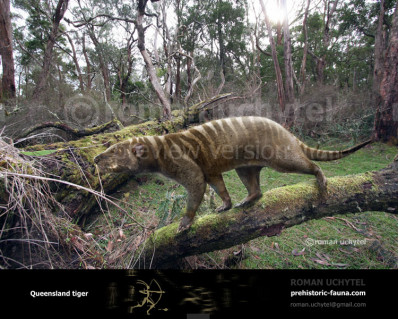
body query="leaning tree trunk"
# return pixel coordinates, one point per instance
(279, 208)
(148, 62)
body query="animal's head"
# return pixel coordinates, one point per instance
(120, 158)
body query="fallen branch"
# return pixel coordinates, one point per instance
(75, 132)
(278, 209)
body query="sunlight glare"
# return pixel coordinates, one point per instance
(274, 11)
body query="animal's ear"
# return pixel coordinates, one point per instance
(138, 150)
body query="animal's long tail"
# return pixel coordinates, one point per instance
(320, 155)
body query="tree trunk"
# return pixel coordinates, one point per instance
(379, 46)
(386, 119)
(124, 78)
(178, 79)
(75, 60)
(279, 208)
(190, 90)
(302, 73)
(103, 65)
(148, 63)
(178, 56)
(48, 53)
(321, 60)
(6, 52)
(88, 68)
(188, 65)
(289, 72)
(279, 78)
(222, 54)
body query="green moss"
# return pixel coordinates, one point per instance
(164, 235)
(354, 184)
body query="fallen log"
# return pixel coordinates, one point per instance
(73, 131)
(278, 209)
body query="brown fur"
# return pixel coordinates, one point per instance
(199, 156)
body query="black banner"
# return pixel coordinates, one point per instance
(205, 294)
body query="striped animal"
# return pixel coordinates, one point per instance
(199, 156)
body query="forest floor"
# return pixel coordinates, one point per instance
(353, 241)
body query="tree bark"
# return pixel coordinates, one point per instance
(6, 51)
(48, 53)
(386, 119)
(279, 208)
(279, 78)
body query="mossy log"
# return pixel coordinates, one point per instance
(278, 209)
(77, 133)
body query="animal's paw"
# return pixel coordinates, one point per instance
(323, 189)
(185, 223)
(248, 201)
(242, 204)
(223, 208)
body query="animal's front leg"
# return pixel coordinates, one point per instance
(195, 196)
(190, 176)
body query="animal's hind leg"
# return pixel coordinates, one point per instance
(305, 166)
(250, 178)
(217, 183)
